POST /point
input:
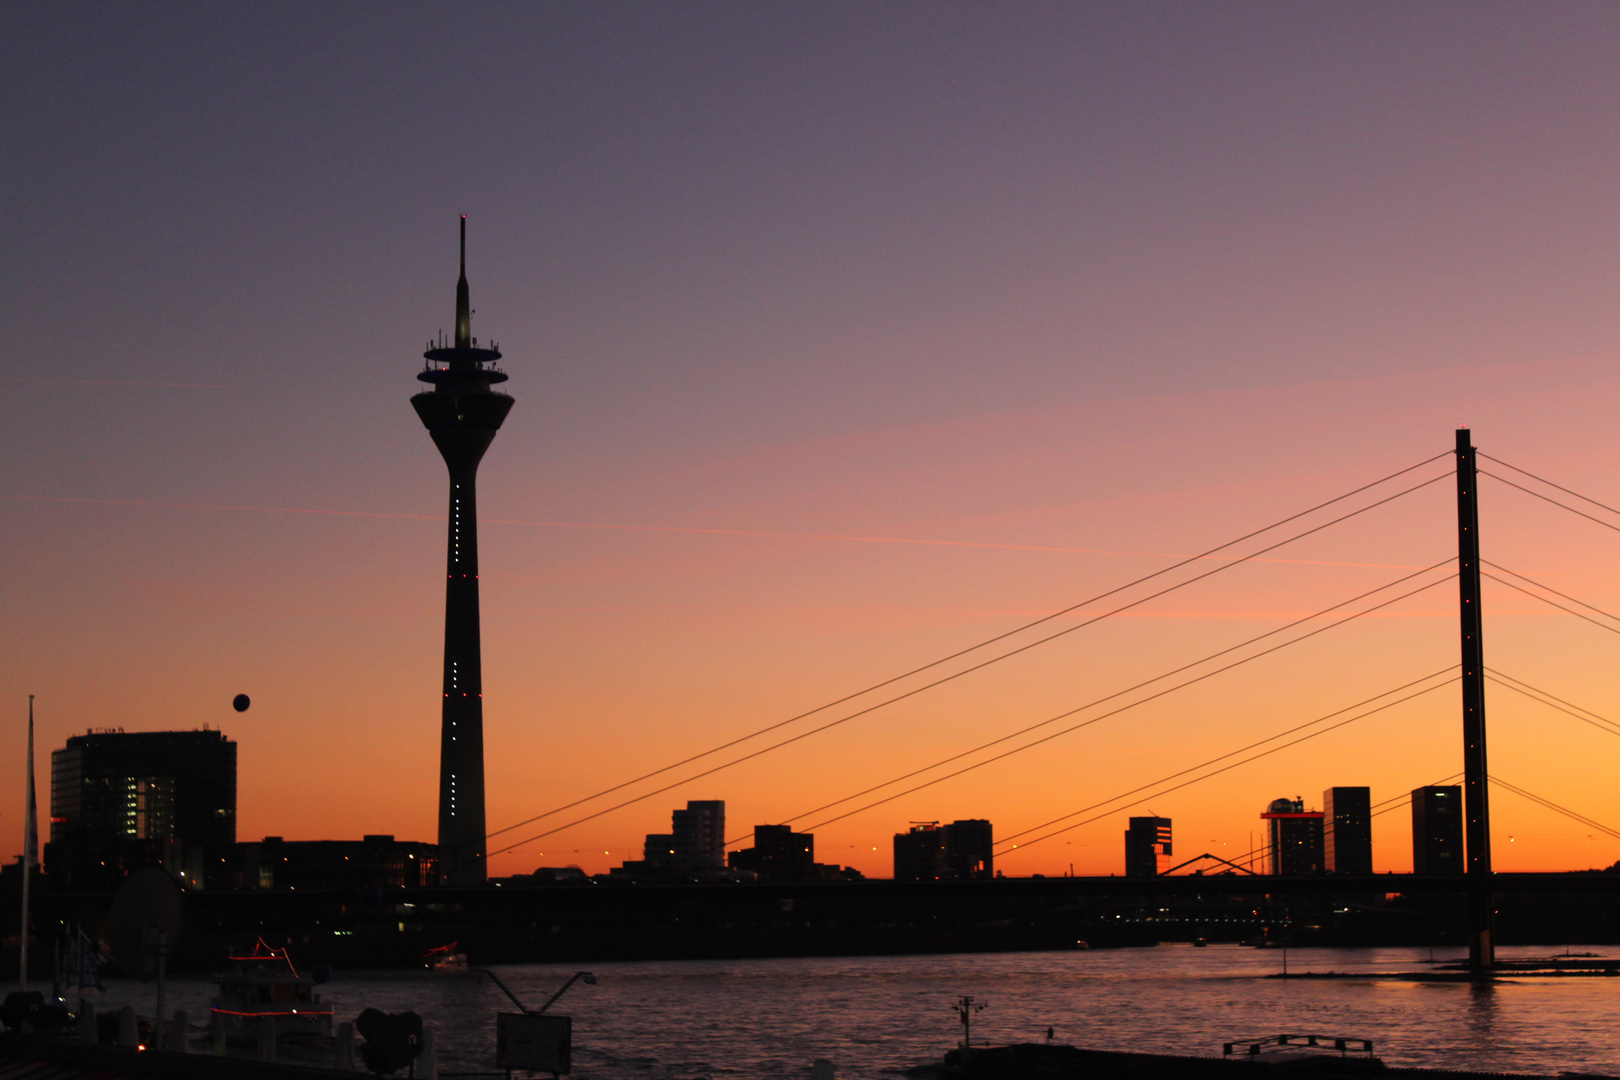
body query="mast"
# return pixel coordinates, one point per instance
(1476, 774)
(30, 850)
(463, 300)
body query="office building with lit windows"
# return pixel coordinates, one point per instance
(1293, 837)
(1437, 830)
(123, 801)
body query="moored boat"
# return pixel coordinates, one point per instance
(263, 992)
(446, 958)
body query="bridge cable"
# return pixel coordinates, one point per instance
(1523, 688)
(1237, 561)
(1550, 499)
(1132, 705)
(1555, 808)
(992, 640)
(1506, 681)
(1549, 483)
(1398, 801)
(1549, 588)
(1227, 768)
(1553, 603)
(1233, 753)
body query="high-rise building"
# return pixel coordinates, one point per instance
(462, 414)
(1437, 830)
(1347, 830)
(122, 801)
(1294, 837)
(700, 834)
(1147, 846)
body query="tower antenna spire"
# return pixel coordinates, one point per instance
(463, 302)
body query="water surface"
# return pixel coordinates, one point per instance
(873, 1016)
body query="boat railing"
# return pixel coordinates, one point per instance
(1275, 1043)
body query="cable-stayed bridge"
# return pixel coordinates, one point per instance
(1459, 467)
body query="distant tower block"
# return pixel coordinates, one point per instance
(1347, 830)
(1147, 846)
(1437, 830)
(462, 414)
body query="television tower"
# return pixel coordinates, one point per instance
(462, 414)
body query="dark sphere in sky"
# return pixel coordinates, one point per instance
(240, 703)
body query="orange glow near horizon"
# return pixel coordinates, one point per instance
(607, 659)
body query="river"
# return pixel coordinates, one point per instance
(874, 1016)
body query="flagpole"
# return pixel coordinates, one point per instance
(30, 849)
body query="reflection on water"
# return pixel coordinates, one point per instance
(1482, 1010)
(874, 1015)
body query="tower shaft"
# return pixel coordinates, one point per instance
(461, 734)
(463, 424)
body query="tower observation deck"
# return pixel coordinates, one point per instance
(462, 414)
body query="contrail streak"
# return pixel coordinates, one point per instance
(121, 382)
(691, 530)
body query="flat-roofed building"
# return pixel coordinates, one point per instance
(779, 855)
(122, 801)
(694, 847)
(1293, 837)
(374, 861)
(970, 850)
(919, 854)
(1437, 830)
(964, 850)
(1347, 830)
(699, 833)
(1147, 846)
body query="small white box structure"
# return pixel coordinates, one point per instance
(534, 1041)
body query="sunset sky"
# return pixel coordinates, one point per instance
(843, 337)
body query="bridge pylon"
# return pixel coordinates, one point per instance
(1476, 777)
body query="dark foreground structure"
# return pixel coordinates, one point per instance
(1037, 1061)
(60, 1059)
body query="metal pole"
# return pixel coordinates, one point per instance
(496, 979)
(162, 974)
(587, 976)
(1476, 805)
(30, 834)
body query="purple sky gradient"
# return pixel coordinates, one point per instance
(1125, 276)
